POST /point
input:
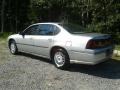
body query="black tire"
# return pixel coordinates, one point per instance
(13, 47)
(61, 59)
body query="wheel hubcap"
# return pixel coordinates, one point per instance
(12, 47)
(59, 59)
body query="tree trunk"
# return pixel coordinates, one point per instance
(82, 14)
(16, 19)
(2, 16)
(16, 24)
(88, 9)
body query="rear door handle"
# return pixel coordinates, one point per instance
(31, 38)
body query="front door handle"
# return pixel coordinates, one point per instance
(50, 40)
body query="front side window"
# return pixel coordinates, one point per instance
(42, 29)
(31, 30)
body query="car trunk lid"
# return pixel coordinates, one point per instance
(98, 40)
(96, 35)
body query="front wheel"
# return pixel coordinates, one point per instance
(61, 59)
(13, 47)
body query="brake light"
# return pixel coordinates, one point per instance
(92, 44)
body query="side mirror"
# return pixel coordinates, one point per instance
(21, 33)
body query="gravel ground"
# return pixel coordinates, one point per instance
(27, 72)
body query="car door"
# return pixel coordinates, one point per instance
(44, 39)
(26, 41)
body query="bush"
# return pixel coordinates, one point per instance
(107, 28)
(5, 34)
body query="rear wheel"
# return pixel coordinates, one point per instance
(13, 47)
(61, 59)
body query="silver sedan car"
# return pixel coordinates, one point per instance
(62, 43)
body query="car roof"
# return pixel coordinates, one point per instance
(53, 23)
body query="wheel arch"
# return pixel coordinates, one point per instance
(52, 50)
(11, 39)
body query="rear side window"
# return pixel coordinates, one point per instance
(56, 30)
(47, 29)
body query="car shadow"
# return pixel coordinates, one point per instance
(35, 57)
(109, 69)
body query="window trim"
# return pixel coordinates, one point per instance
(28, 29)
(53, 31)
(43, 24)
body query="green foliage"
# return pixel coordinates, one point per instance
(97, 15)
(117, 47)
(5, 35)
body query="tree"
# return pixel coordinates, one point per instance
(2, 16)
(98, 15)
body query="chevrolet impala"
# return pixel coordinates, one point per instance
(62, 43)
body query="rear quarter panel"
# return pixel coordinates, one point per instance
(79, 42)
(71, 42)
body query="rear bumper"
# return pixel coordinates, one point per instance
(90, 58)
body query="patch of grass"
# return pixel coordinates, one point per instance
(3, 50)
(3, 39)
(3, 43)
(5, 35)
(116, 57)
(117, 47)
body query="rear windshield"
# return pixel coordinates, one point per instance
(74, 28)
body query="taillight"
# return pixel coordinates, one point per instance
(100, 43)
(91, 44)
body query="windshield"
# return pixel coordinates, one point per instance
(73, 28)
